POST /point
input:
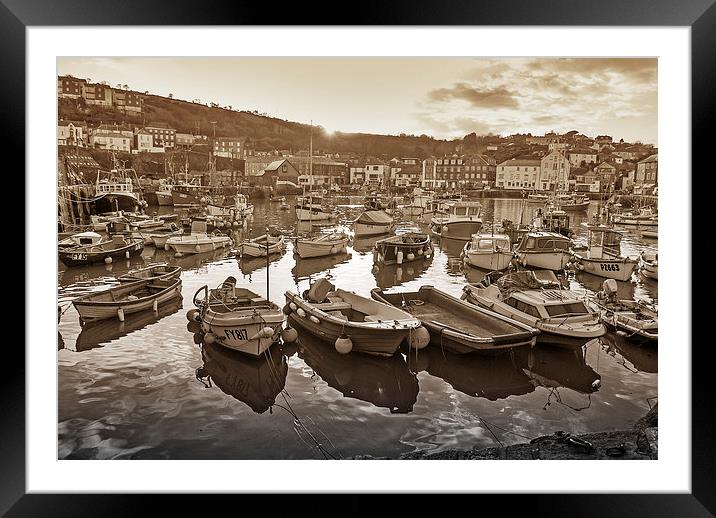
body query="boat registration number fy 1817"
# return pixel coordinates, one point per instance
(609, 267)
(236, 334)
(79, 257)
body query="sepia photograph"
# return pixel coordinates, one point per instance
(374, 258)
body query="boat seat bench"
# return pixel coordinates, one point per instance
(332, 306)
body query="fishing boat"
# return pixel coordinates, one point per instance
(461, 221)
(547, 250)
(126, 299)
(277, 199)
(380, 202)
(81, 239)
(552, 219)
(383, 382)
(373, 223)
(241, 208)
(157, 271)
(198, 240)
(310, 208)
(488, 251)
(458, 326)
(603, 255)
(643, 217)
(575, 203)
(420, 203)
(99, 223)
(538, 300)
(326, 244)
(160, 236)
(237, 318)
(650, 234)
(261, 246)
(106, 251)
(352, 322)
(114, 190)
(631, 319)
(254, 381)
(403, 248)
(649, 265)
(164, 194)
(537, 198)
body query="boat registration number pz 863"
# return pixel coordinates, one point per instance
(236, 334)
(79, 257)
(609, 267)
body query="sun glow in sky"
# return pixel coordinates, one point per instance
(443, 97)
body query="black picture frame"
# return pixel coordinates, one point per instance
(699, 15)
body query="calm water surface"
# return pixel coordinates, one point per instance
(143, 389)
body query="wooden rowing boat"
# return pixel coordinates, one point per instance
(261, 246)
(128, 298)
(458, 326)
(157, 271)
(322, 246)
(403, 248)
(352, 322)
(107, 251)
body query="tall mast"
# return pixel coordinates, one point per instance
(310, 156)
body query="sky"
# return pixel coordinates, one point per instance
(443, 97)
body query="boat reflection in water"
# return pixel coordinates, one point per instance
(554, 367)
(625, 290)
(489, 377)
(249, 265)
(253, 381)
(644, 358)
(96, 272)
(366, 244)
(387, 276)
(304, 268)
(97, 334)
(192, 261)
(384, 382)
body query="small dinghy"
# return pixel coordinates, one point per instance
(237, 318)
(126, 299)
(81, 239)
(261, 246)
(324, 245)
(106, 251)
(373, 223)
(403, 248)
(634, 320)
(458, 326)
(354, 323)
(649, 265)
(160, 236)
(198, 240)
(488, 251)
(157, 271)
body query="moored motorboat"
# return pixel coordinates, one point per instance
(237, 318)
(354, 323)
(547, 250)
(126, 299)
(156, 271)
(160, 236)
(326, 244)
(106, 251)
(649, 265)
(603, 255)
(574, 203)
(198, 240)
(373, 223)
(261, 246)
(634, 320)
(241, 208)
(403, 248)
(461, 220)
(310, 208)
(458, 326)
(488, 251)
(531, 298)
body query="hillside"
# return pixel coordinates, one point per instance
(262, 133)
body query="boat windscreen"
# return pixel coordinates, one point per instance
(567, 309)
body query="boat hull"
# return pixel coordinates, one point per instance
(314, 214)
(556, 260)
(194, 245)
(164, 199)
(185, 199)
(243, 330)
(575, 207)
(462, 230)
(493, 261)
(364, 229)
(250, 249)
(160, 240)
(92, 311)
(386, 251)
(620, 269)
(115, 201)
(80, 258)
(307, 249)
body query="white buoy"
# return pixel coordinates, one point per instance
(596, 383)
(236, 224)
(301, 312)
(120, 314)
(399, 257)
(410, 256)
(209, 338)
(419, 338)
(108, 260)
(315, 319)
(344, 344)
(155, 305)
(289, 335)
(197, 248)
(420, 251)
(178, 254)
(166, 247)
(293, 306)
(126, 254)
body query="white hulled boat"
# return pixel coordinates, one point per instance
(488, 251)
(241, 208)
(198, 240)
(327, 244)
(261, 246)
(373, 223)
(461, 221)
(649, 265)
(547, 250)
(603, 256)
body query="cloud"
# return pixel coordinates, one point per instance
(483, 98)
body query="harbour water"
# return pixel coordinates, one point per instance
(144, 389)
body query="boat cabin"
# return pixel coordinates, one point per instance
(107, 186)
(490, 243)
(547, 303)
(198, 226)
(603, 242)
(465, 209)
(544, 241)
